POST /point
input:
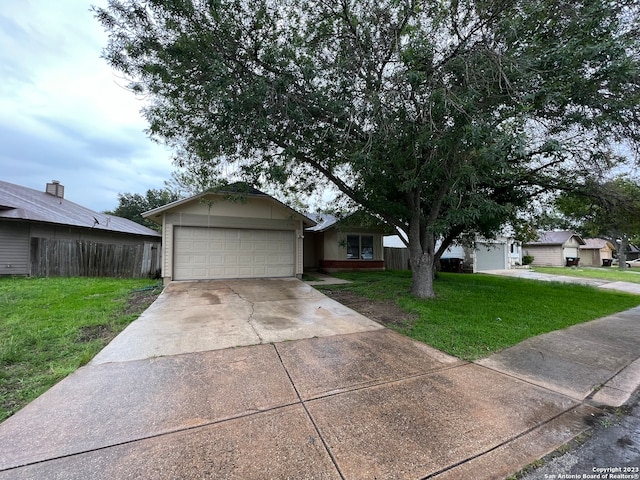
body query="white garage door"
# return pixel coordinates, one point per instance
(204, 253)
(490, 256)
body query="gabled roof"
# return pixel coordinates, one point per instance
(594, 244)
(229, 191)
(22, 203)
(598, 243)
(556, 238)
(633, 249)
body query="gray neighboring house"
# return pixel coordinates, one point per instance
(501, 253)
(28, 217)
(633, 252)
(557, 248)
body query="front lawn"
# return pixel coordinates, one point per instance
(51, 326)
(612, 274)
(475, 315)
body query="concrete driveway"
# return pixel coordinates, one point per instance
(325, 393)
(210, 315)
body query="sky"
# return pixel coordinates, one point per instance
(64, 113)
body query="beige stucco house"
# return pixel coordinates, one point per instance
(352, 243)
(557, 248)
(230, 235)
(595, 251)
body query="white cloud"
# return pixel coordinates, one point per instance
(64, 114)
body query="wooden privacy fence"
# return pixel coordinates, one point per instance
(396, 258)
(79, 258)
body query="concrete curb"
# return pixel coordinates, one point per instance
(617, 391)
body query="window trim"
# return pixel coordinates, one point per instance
(360, 246)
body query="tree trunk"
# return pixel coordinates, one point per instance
(422, 275)
(422, 255)
(622, 253)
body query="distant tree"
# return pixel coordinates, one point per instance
(609, 210)
(132, 205)
(441, 118)
(539, 216)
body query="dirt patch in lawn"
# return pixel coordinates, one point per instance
(137, 302)
(385, 312)
(140, 300)
(94, 332)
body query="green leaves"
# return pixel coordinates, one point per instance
(420, 112)
(133, 205)
(609, 209)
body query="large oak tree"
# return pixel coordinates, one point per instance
(441, 117)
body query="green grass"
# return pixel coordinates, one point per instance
(475, 315)
(51, 326)
(613, 274)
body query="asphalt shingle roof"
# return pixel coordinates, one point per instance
(593, 243)
(22, 203)
(555, 238)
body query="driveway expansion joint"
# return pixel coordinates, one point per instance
(386, 381)
(311, 419)
(152, 436)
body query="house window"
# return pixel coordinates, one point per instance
(360, 247)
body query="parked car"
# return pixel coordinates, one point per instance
(630, 263)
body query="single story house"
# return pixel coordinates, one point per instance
(231, 234)
(242, 232)
(41, 233)
(633, 252)
(556, 248)
(595, 252)
(351, 243)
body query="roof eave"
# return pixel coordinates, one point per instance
(155, 215)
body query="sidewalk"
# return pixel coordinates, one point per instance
(597, 361)
(544, 277)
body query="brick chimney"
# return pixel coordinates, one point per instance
(54, 188)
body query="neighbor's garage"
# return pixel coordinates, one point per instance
(491, 256)
(209, 253)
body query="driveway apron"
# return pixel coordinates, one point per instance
(274, 380)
